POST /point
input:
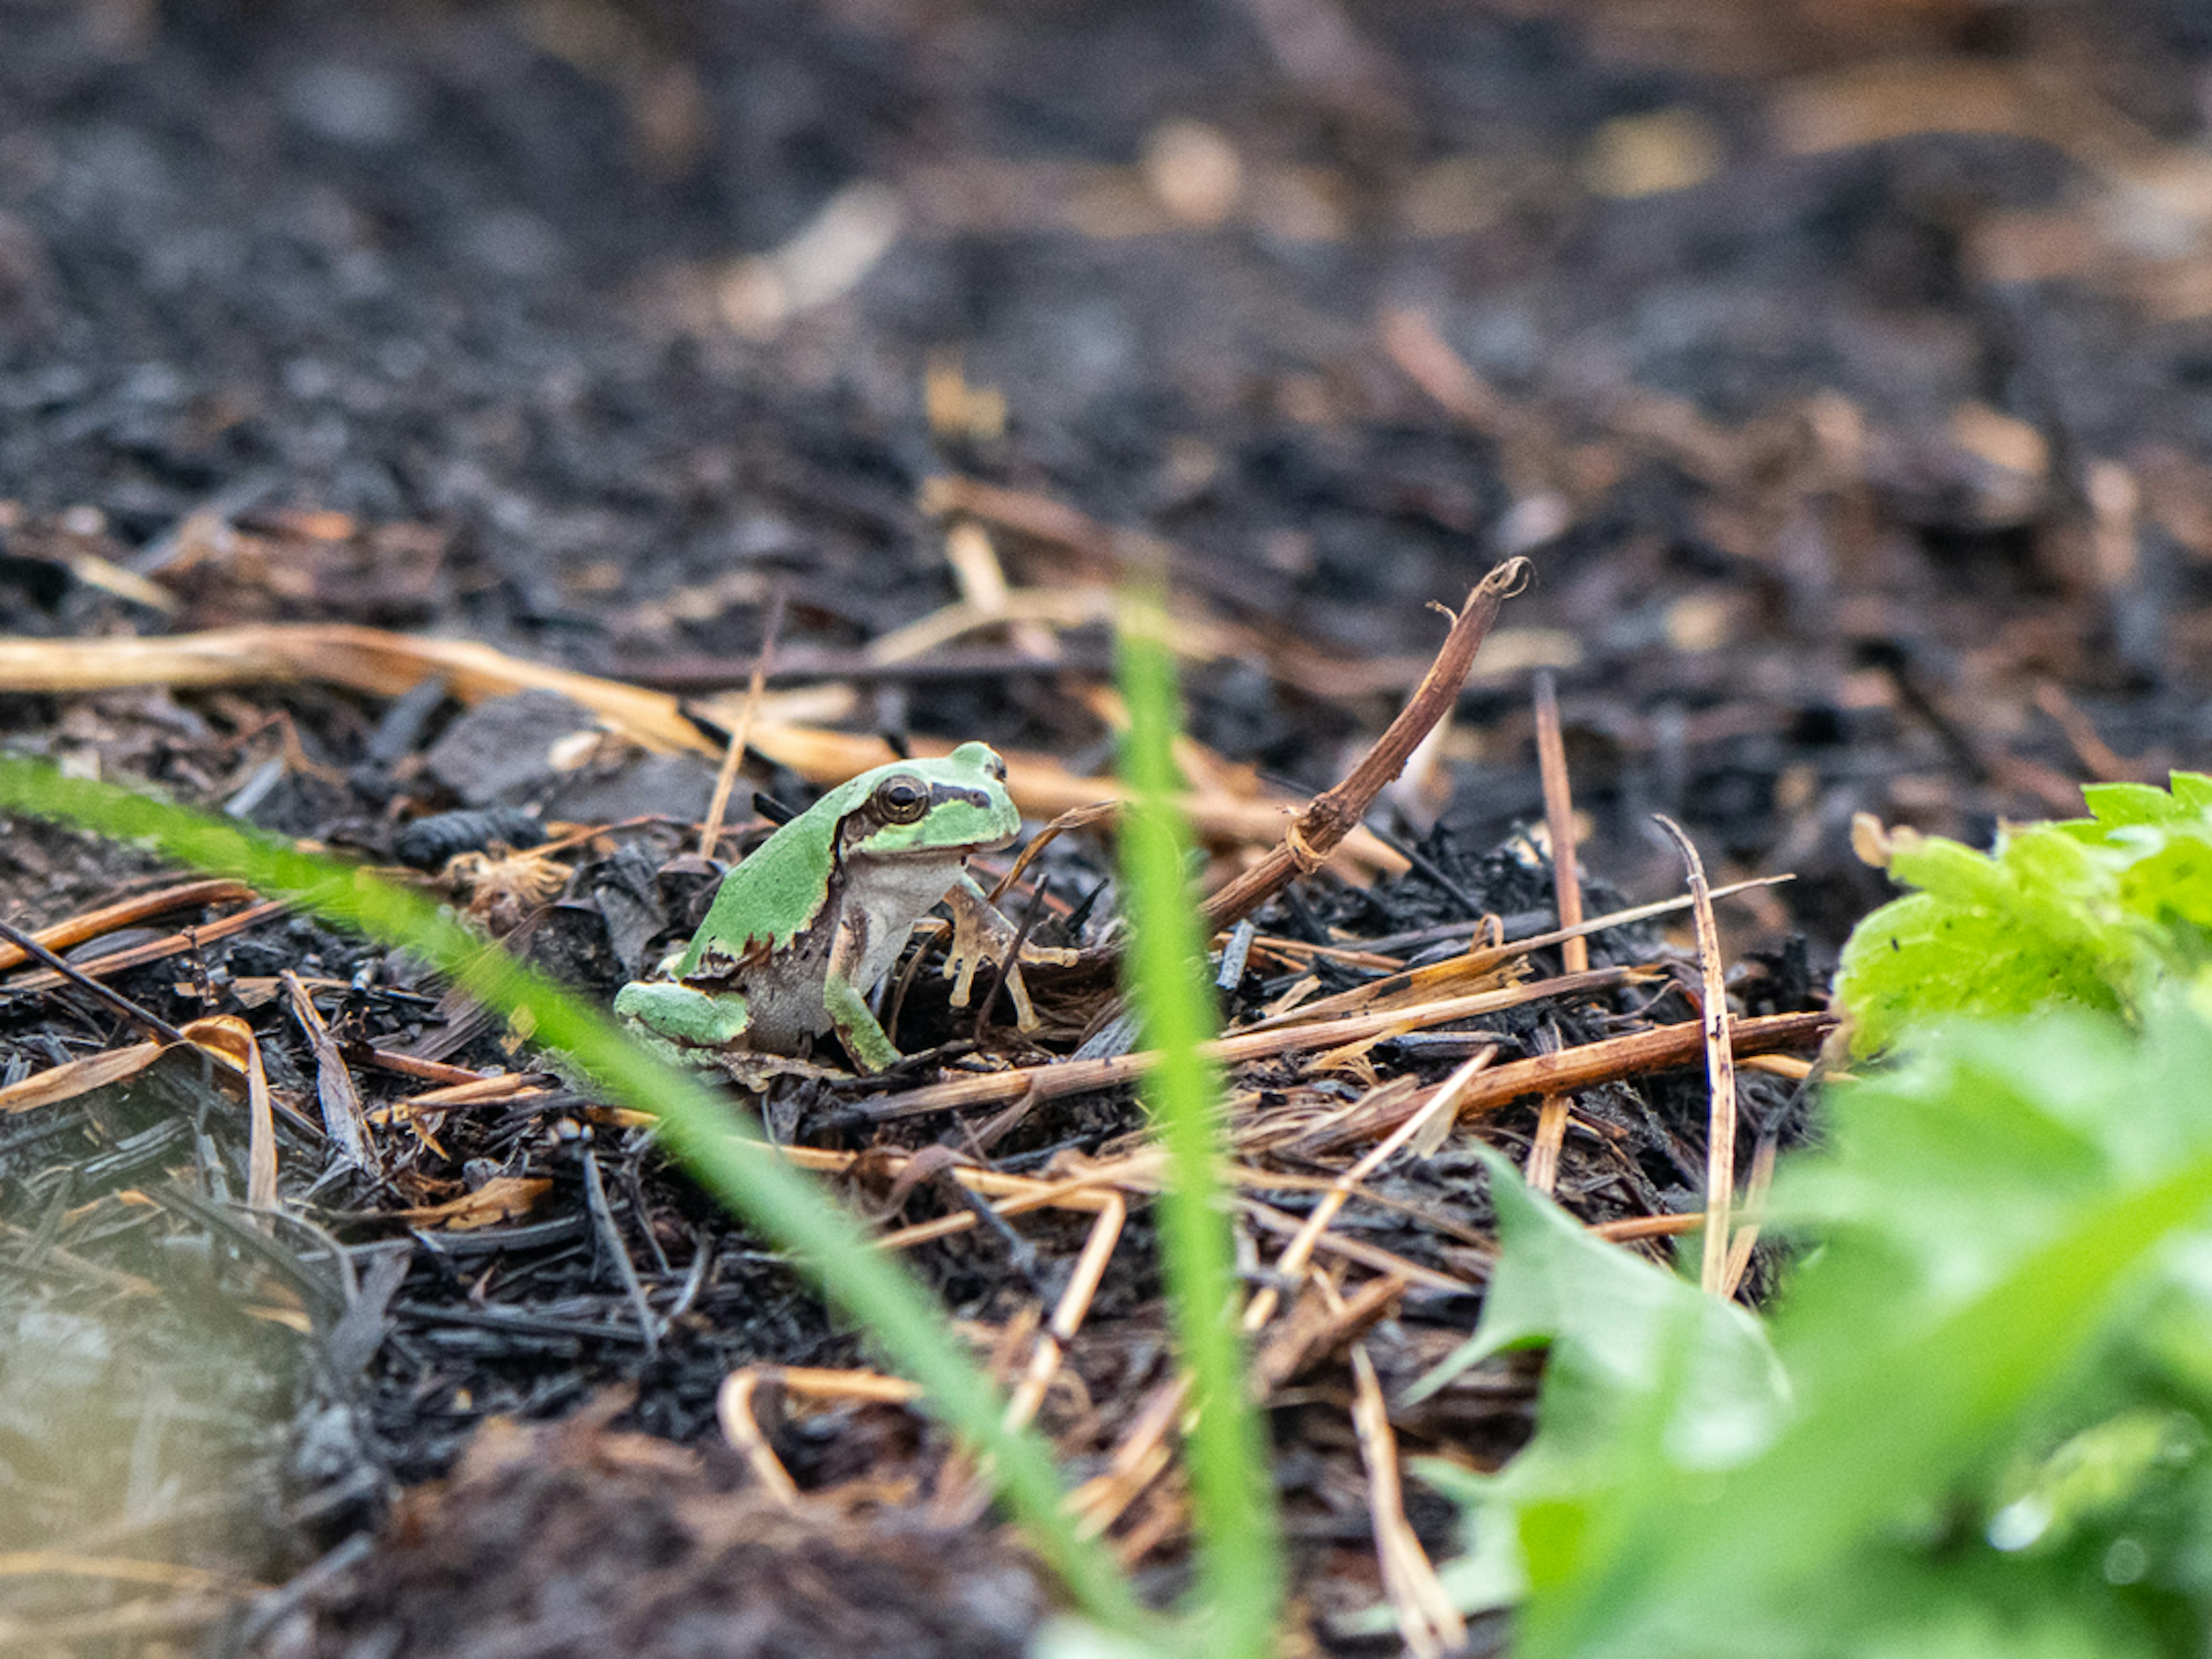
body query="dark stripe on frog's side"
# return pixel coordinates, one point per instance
(942, 794)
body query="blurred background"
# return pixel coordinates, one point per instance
(1842, 366)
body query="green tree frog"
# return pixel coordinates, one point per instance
(803, 929)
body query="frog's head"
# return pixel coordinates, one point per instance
(931, 808)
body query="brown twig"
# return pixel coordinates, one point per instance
(1662, 1048)
(1069, 1077)
(1331, 815)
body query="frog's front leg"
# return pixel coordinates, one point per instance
(980, 934)
(847, 1005)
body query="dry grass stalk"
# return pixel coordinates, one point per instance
(1649, 1226)
(1559, 825)
(231, 1039)
(1142, 1455)
(1139, 1175)
(733, 753)
(1315, 1327)
(1137, 1460)
(127, 913)
(74, 1078)
(1063, 1077)
(370, 659)
(1634, 913)
(385, 664)
(1373, 1257)
(1662, 1048)
(733, 1409)
(503, 1197)
(154, 950)
(1429, 1624)
(224, 1039)
(1068, 1315)
(63, 972)
(1754, 1200)
(1292, 1263)
(962, 1500)
(429, 1070)
(343, 1119)
(1542, 1172)
(1720, 1068)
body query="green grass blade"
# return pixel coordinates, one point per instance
(719, 1147)
(1240, 1573)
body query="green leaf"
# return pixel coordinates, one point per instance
(1637, 1357)
(1610, 1318)
(1895, 1423)
(1987, 1216)
(2043, 1502)
(2097, 913)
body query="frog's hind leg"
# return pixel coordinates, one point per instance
(847, 1004)
(683, 1015)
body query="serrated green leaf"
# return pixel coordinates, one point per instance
(1895, 1420)
(2096, 913)
(1987, 1214)
(2193, 790)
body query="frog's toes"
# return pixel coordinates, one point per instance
(1018, 993)
(960, 968)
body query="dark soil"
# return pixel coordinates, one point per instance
(1844, 369)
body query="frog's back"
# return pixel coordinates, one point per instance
(772, 895)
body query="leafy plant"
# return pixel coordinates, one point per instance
(1944, 1385)
(2092, 911)
(1983, 1430)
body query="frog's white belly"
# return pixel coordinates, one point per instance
(895, 893)
(785, 1004)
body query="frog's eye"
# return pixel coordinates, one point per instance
(899, 800)
(994, 766)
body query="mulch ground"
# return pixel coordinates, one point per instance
(1841, 369)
